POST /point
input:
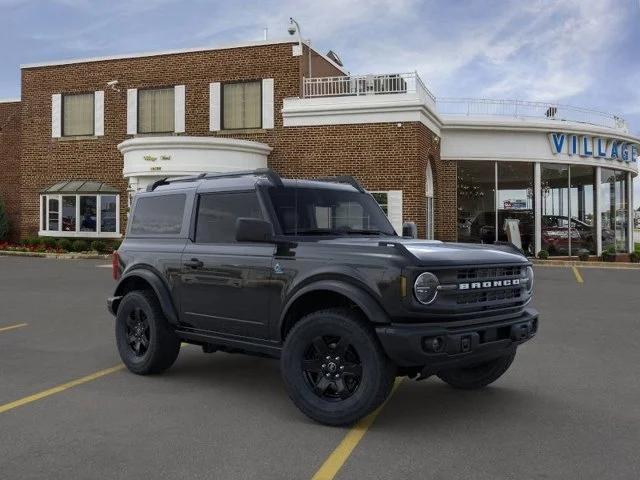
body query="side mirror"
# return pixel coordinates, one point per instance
(410, 229)
(254, 230)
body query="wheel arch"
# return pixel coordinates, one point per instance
(326, 294)
(145, 279)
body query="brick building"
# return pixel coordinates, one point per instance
(86, 134)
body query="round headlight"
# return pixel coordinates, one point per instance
(426, 288)
(529, 275)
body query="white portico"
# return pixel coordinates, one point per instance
(151, 157)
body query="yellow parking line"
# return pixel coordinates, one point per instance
(60, 388)
(11, 327)
(577, 275)
(336, 460)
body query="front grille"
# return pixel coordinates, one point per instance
(488, 273)
(488, 296)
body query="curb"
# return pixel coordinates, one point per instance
(578, 263)
(59, 256)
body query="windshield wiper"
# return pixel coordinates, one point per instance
(357, 231)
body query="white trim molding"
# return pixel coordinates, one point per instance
(132, 111)
(268, 100)
(214, 107)
(98, 113)
(179, 108)
(56, 115)
(346, 110)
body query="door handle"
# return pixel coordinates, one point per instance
(193, 263)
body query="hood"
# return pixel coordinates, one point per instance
(436, 253)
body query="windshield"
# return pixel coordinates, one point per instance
(320, 211)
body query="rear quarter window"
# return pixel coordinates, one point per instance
(158, 215)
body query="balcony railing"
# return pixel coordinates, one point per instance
(410, 83)
(356, 85)
(523, 109)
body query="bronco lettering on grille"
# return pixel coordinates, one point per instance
(488, 284)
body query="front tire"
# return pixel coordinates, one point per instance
(477, 376)
(334, 368)
(146, 342)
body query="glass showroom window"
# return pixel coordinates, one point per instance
(554, 180)
(78, 115)
(516, 203)
(156, 108)
(613, 210)
(582, 207)
(241, 105)
(476, 201)
(79, 216)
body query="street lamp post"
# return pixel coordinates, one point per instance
(294, 27)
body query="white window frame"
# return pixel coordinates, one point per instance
(57, 115)
(46, 232)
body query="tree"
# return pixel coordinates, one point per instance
(4, 222)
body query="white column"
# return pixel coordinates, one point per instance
(537, 207)
(598, 218)
(630, 212)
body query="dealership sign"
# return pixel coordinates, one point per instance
(593, 146)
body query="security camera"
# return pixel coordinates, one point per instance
(291, 29)
(112, 85)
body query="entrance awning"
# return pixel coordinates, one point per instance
(80, 186)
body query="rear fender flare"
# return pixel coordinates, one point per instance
(155, 282)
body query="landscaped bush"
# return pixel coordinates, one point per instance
(65, 244)
(49, 242)
(543, 254)
(99, 246)
(583, 255)
(115, 244)
(609, 255)
(634, 257)
(79, 245)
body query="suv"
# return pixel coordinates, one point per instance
(312, 273)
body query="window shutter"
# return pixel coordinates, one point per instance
(214, 107)
(179, 108)
(394, 209)
(56, 115)
(267, 103)
(132, 111)
(98, 112)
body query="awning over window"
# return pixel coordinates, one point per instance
(80, 186)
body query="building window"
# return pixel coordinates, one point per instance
(516, 204)
(156, 110)
(70, 209)
(78, 115)
(614, 210)
(383, 200)
(242, 105)
(476, 201)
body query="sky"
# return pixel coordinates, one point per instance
(576, 52)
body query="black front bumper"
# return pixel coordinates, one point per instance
(439, 346)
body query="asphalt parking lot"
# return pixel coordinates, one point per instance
(568, 408)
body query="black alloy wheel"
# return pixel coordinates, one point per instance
(332, 367)
(138, 335)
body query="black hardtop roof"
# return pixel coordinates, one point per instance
(248, 179)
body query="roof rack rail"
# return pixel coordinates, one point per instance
(267, 172)
(348, 179)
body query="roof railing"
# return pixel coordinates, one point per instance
(264, 172)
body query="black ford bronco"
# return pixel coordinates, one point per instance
(313, 273)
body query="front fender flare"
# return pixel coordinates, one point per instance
(158, 286)
(369, 305)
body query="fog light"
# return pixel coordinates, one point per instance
(433, 344)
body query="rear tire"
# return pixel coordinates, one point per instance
(334, 368)
(477, 376)
(146, 342)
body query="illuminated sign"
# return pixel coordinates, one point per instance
(593, 146)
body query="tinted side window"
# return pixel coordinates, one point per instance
(158, 215)
(218, 212)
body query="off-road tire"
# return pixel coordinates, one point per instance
(377, 371)
(477, 376)
(163, 344)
